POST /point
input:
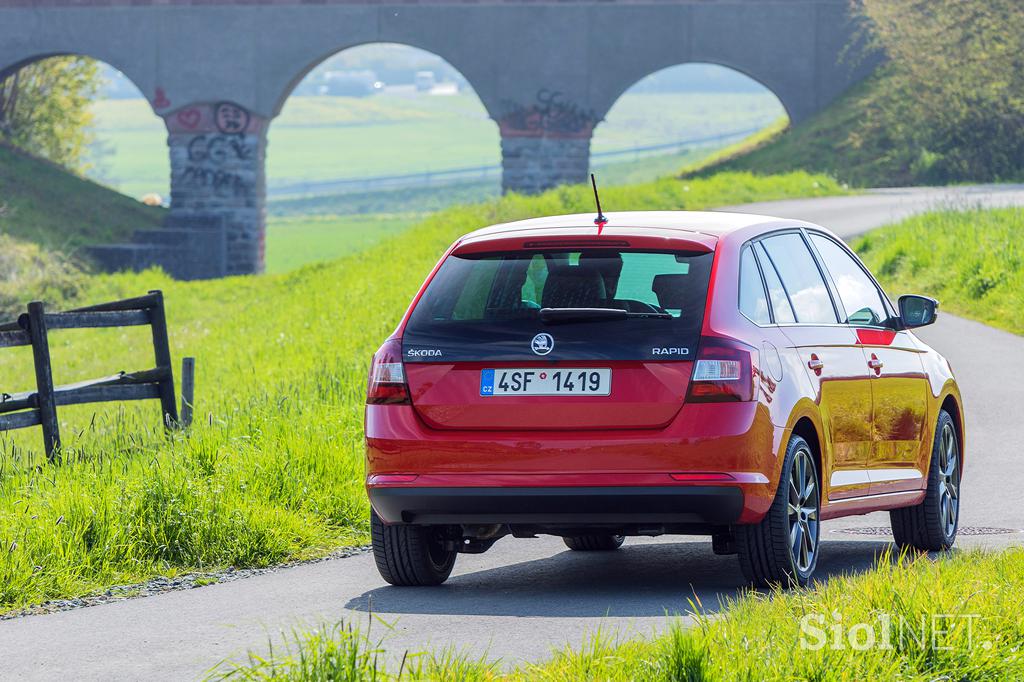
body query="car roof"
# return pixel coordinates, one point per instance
(637, 223)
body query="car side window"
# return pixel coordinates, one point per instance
(776, 292)
(800, 276)
(753, 301)
(859, 297)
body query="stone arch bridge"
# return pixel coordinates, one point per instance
(218, 71)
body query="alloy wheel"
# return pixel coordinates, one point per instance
(803, 511)
(949, 481)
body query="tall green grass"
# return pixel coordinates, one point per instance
(272, 469)
(957, 618)
(972, 260)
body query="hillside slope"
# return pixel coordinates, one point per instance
(825, 143)
(42, 203)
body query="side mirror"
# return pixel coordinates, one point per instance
(917, 311)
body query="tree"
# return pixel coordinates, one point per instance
(953, 101)
(45, 109)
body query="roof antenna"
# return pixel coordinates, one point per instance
(600, 220)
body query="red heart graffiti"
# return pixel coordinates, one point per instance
(189, 117)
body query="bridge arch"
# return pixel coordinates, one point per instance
(113, 84)
(621, 83)
(118, 55)
(136, 76)
(613, 92)
(700, 104)
(314, 57)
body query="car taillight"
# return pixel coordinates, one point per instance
(725, 370)
(387, 376)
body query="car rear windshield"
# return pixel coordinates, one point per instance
(604, 303)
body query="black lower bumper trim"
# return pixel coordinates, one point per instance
(563, 505)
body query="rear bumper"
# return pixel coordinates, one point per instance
(716, 505)
(708, 446)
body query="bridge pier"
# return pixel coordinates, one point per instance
(218, 188)
(531, 164)
(545, 144)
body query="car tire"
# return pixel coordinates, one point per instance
(774, 552)
(932, 525)
(593, 543)
(410, 556)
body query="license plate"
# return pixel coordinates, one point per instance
(533, 381)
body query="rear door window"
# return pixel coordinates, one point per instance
(489, 306)
(859, 297)
(776, 292)
(753, 302)
(801, 278)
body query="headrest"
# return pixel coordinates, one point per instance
(609, 264)
(671, 291)
(573, 287)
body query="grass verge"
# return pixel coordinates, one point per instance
(272, 469)
(972, 261)
(957, 618)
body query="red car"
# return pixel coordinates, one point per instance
(730, 375)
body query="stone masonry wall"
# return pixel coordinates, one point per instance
(217, 171)
(531, 165)
(545, 143)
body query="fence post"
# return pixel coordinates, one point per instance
(162, 353)
(44, 379)
(188, 385)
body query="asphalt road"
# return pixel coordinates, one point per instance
(526, 597)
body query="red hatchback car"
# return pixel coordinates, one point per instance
(730, 375)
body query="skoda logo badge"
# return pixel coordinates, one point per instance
(542, 344)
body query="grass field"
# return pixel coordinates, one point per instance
(621, 171)
(919, 620)
(316, 229)
(297, 241)
(974, 263)
(318, 138)
(272, 469)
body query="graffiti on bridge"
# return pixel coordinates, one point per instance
(221, 148)
(550, 114)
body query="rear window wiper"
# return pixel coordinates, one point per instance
(554, 315)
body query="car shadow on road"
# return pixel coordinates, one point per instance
(637, 580)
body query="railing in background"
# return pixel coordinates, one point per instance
(481, 173)
(39, 407)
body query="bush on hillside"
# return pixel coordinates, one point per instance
(46, 108)
(953, 98)
(28, 272)
(946, 106)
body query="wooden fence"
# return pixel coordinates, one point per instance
(39, 407)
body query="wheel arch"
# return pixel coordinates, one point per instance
(805, 421)
(808, 430)
(952, 405)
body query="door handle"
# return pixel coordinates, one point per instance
(816, 364)
(875, 364)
